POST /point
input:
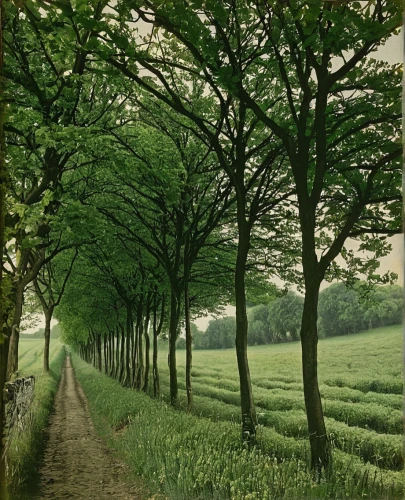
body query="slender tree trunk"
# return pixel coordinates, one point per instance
(122, 357)
(140, 364)
(134, 351)
(147, 348)
(106, 358)
(320, 448)
(128, 346)
(99, 352)
(3, 379)
(147, 363)
(156, 331)
(189, 352)
(117, 352)
(12, 363)
(4, 339)
(247, 405)
(47, 334)
(112, 353)
(172, 345)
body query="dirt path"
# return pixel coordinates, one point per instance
(76, 463)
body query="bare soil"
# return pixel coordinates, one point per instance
(77, 464)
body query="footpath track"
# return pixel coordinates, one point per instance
(77, 465)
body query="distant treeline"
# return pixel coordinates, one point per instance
(39, 334)
(342, 311)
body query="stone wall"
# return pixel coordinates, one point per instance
(18, 396)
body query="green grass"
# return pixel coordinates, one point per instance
(360, 383)
(186, 456)
(26, 445)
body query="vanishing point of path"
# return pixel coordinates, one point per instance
(76, 464)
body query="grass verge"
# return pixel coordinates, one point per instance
(26, 446)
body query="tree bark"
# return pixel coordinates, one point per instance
(12, 363)
(247, 406)
(189, 351)
(128, 346)
(174, 321)
(3, 379)
(156, 331)
(319, 442)
(99, 353)
(111, 346)
(117, 354)
(140, 365)
(147, 347)
(47, 335)
(4, 339)
(106, 357)
(156, 384)
(122, 358)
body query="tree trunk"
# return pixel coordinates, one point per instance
(12, 363)
(122, 358)
(140, 365)
(47, 335)
(147, 362)
(106, 356)
(156, 331)
(99, 353)
(3, 379)
(117, 352)
(111, 346)
(4, 340)
(320, 449)
(128, 332)
(147, 348)
(174, 321)
(189, 353)
(247, 405)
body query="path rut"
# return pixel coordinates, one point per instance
(76, 462)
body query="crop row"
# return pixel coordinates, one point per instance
(338, 392)
(384, 450)
(366, 415)
(190, 457)
(381, 385)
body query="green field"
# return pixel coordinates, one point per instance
(200, 455)
(31, 352)
(360, 383)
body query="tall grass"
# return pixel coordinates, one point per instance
(190, 457)
(26, 445)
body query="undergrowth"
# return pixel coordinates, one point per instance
(26, 445)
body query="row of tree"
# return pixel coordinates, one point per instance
(149, 178)
(342, 311)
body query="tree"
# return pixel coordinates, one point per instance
(173, 188)
(3, 192)
(342, 142)
(251, 159)
(50, 296)
(337, 124)
(51, 101)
